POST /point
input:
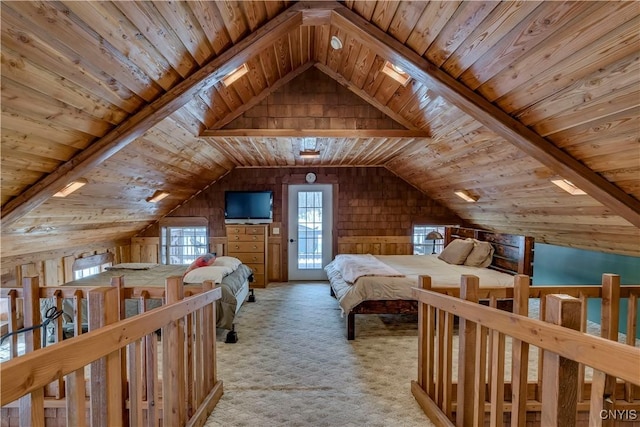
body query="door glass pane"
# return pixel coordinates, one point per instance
(309, 230)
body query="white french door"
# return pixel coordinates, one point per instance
(310, 226)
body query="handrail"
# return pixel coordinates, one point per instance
(539, 291)
(601, 354)
(34, 370)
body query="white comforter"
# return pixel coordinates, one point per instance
(388, 288)
(352, 267)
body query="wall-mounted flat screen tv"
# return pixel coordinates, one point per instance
(254, 207)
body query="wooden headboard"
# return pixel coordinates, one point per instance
(513, 253)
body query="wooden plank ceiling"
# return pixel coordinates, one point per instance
(503, 97)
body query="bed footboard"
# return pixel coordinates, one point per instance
(379, 307)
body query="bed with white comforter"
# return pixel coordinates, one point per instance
(398, 275)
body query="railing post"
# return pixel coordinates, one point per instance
(105, 372)
(31, 406)
(151, 368)
(560, 375)
(520, 355)
(480, 376)
(596, 402)
(75, 387)
(13, 322)
(609, 330)
(59, 334)
(189, 365)
(209, 342)
(425, 341)
(466, 355)
(632, 313)
(118, 283)
(173, 396)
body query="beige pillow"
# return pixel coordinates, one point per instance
(457, 251)
(481, 255)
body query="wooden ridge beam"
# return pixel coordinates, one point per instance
(316, 133)
(491, 116)
(136, 125)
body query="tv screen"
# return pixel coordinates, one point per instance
(248, 206)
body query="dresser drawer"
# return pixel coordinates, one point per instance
(249, 258)
(258, 281)
(256, 268)
(246, 238)
(246, 247)
(235, 230)
(254, 230)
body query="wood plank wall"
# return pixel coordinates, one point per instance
(313, 100)
(373, 205)
(145, 249)
(55, 267)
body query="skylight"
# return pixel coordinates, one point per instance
(396, 73)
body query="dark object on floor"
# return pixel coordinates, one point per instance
(252, 296)
(68, 330)
(232, 336)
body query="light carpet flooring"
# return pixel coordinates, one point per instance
(293, 365)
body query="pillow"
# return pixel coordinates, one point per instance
(199, 275)
(456, 251)
(228, 261)
(201, 261)
(481, 254)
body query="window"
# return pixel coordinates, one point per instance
(182, 245)
(91, 265)
(424, 246)
(86, 272)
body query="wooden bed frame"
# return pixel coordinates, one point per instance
(513, 255)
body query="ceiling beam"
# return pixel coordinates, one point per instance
(491, 116)
(314, 133)
(136, 125)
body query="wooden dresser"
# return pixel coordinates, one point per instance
(248, 243)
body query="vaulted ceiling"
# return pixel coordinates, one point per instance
(503, 98)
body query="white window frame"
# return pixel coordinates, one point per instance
(90, 271)
(91, 265)
(422, 246)
(172, 250)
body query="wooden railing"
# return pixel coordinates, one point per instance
(559, 395)
(129, 384)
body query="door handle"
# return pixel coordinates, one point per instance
(291, 240)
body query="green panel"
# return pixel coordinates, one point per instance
(558, 265)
